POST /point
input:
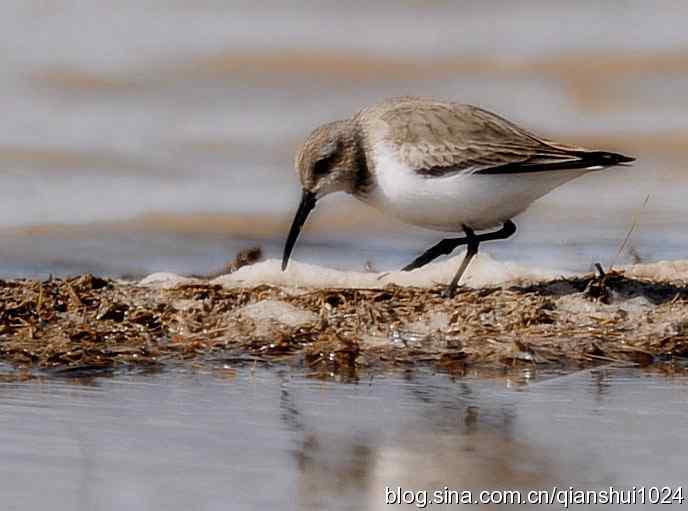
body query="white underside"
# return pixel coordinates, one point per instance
(478, 201)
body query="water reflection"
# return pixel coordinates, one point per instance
(276, 439)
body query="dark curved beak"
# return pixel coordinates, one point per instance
(307, 204)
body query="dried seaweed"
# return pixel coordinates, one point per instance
(88, 324)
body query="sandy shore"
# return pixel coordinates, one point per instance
(310, 318)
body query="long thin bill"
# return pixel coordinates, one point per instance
(305, 207)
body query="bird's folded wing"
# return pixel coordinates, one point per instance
(441, 139)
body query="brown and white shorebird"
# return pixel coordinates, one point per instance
(441, 165)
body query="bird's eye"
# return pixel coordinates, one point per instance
(322, 166)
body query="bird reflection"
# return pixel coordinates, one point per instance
(436, 435)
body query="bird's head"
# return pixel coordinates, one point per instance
(325, 164)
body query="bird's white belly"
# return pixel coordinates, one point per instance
(478, 201)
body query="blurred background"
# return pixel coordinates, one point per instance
(151, 135)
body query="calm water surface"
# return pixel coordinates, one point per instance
(267, 439)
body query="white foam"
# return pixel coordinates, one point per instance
(166, 280)
(483, 271)
(275, 310)
(662, 270)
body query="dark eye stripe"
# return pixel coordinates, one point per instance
(322, 166)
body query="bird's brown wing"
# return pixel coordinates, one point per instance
(438, 139)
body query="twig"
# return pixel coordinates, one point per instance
(630, 231)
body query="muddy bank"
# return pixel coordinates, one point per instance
(88, 323)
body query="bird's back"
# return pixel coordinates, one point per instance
(443, 165)
(437, 137)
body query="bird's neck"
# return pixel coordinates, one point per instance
(355, 154)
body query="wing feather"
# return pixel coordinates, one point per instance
(438, 139)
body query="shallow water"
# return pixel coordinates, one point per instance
(113, 111)
(265, 439)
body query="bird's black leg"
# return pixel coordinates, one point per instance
(471, 251)
(473, 242)
(507, 230)
(444, 247)
(447, 246)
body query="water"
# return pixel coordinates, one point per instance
(142, 136)
(159, 136)
(265, 439)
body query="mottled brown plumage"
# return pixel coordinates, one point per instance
(436, 137)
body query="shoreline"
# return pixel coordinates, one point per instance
(87, 323)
